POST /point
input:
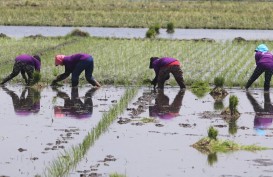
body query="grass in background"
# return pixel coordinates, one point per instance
(125, 13)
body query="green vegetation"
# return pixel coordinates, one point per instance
(219, 81)
(233, 103)
(200, 88)
(151, 33)
(211, 144)
(170, 27)
(123, 13)
(212, 133)
(36, 77)
(123, 61)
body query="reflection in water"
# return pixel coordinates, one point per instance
(212, 158)
(163, 109)
(263, 117)
(74, 106)
(27, 103)
(218, 105)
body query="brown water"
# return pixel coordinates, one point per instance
(33, 132)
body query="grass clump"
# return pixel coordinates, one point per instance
(211, 144)
(200, 88)
(212, 133)
(78, 33)
(218, 92)
(170, 27)
(151, 33)
(36, 77)
(219, 81)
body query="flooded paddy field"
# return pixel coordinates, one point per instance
(153, 136)
(137, 147)
(37, 125)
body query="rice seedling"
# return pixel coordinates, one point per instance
(211, 144)
(212, 133)
(200, 88)
(151, 33)
(36, 77)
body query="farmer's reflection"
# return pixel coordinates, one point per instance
(263, 117)
(74, 106)
(28, 102)
(163, 109)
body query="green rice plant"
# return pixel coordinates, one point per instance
(151, 33)
(36, 77)
(233, 103)
(208, 146)
(200, 88)
(157, 28)
(170, 27)
(212, 133)
(219, 81)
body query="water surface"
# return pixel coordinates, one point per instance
(216, 34)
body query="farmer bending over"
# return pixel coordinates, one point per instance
(75, 64)
(264, 63)
(163, 67)
(25, 64)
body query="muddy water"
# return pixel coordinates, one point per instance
(216, 34)
(163, 147)
(36, 125)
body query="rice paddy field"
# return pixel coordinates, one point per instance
(123, 61)
(126, 128)
(120, 129)
(213, 14)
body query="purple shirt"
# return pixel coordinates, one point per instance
(71, 61)
(157, 64)
(264, 60)
(30, 60)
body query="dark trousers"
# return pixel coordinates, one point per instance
(86, 65)
(22, 67)
(164, 73)
(257, 72)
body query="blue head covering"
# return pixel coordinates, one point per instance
(261, 48)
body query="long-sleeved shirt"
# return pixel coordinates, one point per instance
(264, 60)
(30, 60)
(70, 63)
(162, 62)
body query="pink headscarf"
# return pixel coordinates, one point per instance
(59, 59)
